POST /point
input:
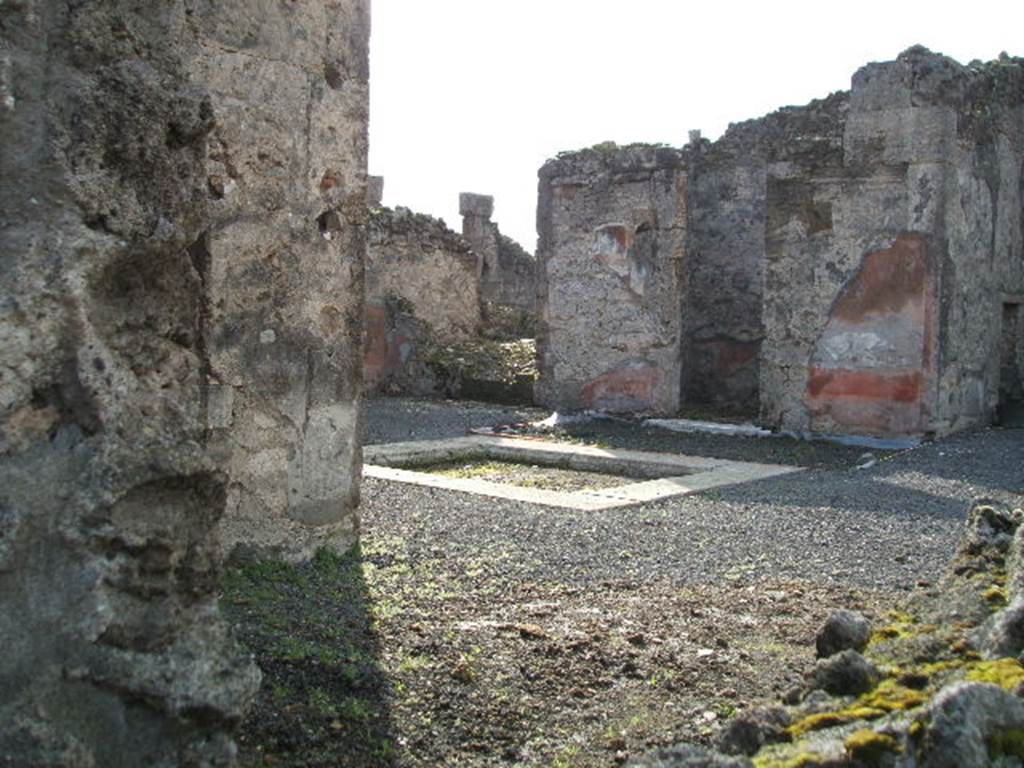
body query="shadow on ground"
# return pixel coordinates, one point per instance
(325, 699)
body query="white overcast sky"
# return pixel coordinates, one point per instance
(474, 95)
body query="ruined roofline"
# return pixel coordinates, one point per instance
(937, 79)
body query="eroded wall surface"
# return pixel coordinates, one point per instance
(888, 265)
(286, 178)
(725, 251)
(113, 654)
(612, 227)
(179, 347)
(422, 285)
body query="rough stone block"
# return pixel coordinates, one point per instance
(471, 204)
(374, 190)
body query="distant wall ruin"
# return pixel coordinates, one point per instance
(434, 296)
(422, 284)
(507, 272)
(852, 266)
(182, 229)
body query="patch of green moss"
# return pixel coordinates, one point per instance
(802, 760)
(995, 595)
(962, 647)
(1007, 744)
(891, 696)
(1006, 673)
(938, 667)
(902, 626)
(868, 747)
(830, 719)
(888, 696)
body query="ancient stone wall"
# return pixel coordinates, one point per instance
(725, 249)
(422, 284)
(854, 264)
(721, 310)
(612, 223)
(507, 272)
(180, 222)
(286, 170)
(887, 266)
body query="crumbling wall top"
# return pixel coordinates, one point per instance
(386, 224)
(610, 158)
(920, 78)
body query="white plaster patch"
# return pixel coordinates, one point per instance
(320, 473)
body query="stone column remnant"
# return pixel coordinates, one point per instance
(180, 218)
(286, 167)
(507, 271)
(480, 232)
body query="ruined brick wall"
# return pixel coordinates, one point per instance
(508, 288)
(422, 282)
(725, 249)
(885, 260)
(612, 226)
(286, 171)
(178, 340)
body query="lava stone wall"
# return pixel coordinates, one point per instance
(422, 285)
(888, 264)
(612, 226)
(180, 224)
(284, 259)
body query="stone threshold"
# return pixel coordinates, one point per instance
(672, 474)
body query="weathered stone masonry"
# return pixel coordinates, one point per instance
(180, 223)
(852, 266)
(612, 228)
(904, 238)
(422, 283)
(508, 290)
(289, 87)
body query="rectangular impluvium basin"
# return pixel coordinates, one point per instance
(646, 476)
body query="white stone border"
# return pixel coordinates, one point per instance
(700, 473)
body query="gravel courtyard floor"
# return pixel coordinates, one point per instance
(469, 631)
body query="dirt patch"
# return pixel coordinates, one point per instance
(398, 657)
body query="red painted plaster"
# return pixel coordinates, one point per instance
(635, 384)
(896, 281)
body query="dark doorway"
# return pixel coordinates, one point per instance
(1011, 376)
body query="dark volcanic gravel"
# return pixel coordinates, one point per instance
(887, 525)
(474, 631)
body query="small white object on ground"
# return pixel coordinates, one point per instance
(711, 427)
